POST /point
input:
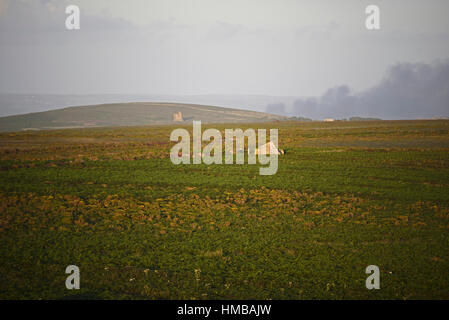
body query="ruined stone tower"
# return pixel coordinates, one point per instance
(177, 117)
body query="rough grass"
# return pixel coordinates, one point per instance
(346, 195)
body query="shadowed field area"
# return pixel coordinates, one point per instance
(109, 200)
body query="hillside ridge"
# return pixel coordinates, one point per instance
(129, 114)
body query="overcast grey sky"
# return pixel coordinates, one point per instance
(270, 47)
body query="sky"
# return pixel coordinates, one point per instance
(198, 47)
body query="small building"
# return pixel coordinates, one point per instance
(329, 120)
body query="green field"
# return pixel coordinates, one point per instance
(109, 200)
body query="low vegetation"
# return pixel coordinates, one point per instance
(109, 200)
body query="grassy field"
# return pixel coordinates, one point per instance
(109, 200)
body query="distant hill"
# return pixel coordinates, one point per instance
(299, 119)
(363, 119)
(129, 114)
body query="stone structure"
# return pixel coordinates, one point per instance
(177, 117)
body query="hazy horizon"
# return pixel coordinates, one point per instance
(297, 58)
(420, 89)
